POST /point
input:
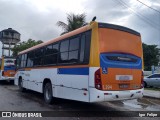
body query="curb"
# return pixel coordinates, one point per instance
(147, 96)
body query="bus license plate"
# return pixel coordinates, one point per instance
(124, 77)
(123, 86)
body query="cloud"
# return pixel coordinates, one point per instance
(37, 19)
(29, 21)
(105, 10)
(131, 14)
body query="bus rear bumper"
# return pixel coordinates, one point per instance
(6, 78)
(98, 95)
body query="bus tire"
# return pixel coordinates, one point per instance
(20, 84)
(48, 93)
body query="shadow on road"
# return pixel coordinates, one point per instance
(7, 82)
(64, 104)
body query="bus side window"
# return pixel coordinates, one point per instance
(51, 54)
(0, 63)
(23, 60)
(73, 50)
(18, 64)
(39, 57)
(82, 49)
(21, 64)
(30, 59)
(64, 46)
(63, 55)
(85, 47)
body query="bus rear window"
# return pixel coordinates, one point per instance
(9, 61)
(121, 59)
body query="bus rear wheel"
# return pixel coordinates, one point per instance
(48, 93)
(20, 84)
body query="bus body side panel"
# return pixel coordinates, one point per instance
(72, 83)
(33, 78)
(21, 73)
(25, 79)
(16, 77)
(67, 83)
(0, 68)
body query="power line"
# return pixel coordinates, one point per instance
(145, 19)
(148, 6)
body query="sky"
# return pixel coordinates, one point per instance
(36, 19)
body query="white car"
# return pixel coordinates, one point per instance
(152, 80)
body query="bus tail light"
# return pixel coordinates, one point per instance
(97, 79)
(2, 73)
(142, 77)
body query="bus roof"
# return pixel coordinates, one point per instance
(118, 27)
(74, 32)
(79, 30)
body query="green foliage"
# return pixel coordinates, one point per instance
(25, 45)
(73, 22)
(150, 54)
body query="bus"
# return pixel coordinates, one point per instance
(97, 62)
(7, 68)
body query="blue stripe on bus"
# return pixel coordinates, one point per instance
(22, 70)
(105, 63)
(73, 71)
(9, 68)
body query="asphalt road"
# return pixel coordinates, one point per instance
(11, 99)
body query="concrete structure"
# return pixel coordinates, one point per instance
(152, 94)
(9, 39)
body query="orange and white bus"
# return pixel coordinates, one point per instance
(97, 62)
(7, 68)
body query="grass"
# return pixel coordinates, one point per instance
(156, 89)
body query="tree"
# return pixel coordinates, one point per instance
(73, 22)
(150, 55)
(24, 45)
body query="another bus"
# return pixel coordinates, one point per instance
(7, 68)
(97, 62)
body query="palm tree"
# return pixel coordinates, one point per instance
(73, 22)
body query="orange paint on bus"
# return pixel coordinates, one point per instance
(110, 79)
(119, 41)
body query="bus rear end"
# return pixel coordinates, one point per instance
(120, 75)
(8, 69)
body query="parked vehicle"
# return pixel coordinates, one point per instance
(98, 62)
(152, 80)
(7, 68)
